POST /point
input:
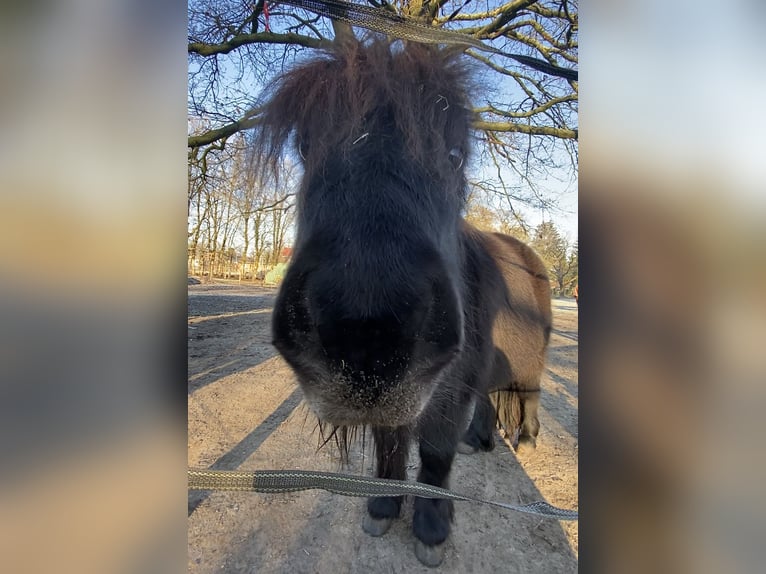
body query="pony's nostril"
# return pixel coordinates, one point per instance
(365, 349)
(444, 323)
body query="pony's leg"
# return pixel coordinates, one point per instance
(431, 522)
(391, 449)
(480, 433)
(530, 425)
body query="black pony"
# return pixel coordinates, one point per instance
(394, 312)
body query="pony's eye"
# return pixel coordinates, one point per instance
(456, 157)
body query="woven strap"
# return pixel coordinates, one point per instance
(274, 481)
(392, 24)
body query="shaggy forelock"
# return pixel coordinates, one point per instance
(327, 101)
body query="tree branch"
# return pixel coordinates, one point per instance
(527, 114)
(509, 12)
(205, 49)
(222, 132)
(562, 133)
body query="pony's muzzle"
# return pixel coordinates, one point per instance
(363, 363)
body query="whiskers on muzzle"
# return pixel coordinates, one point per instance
(344, 401)
(343, 438)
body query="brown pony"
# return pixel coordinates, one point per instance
(395, 314)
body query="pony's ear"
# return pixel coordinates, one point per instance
(344, 34)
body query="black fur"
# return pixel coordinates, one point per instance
(394, 313)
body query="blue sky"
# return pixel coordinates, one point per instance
(561, 183)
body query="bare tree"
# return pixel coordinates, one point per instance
(554, 249)
(235, 213)
(526, 122)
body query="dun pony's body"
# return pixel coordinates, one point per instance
(394, 312)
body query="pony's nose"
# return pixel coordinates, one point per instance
(441, 334)
(427, 331)
(366, 349)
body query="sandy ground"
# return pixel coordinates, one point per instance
(246, 412)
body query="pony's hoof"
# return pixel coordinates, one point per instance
(465, 448)
(376, 526)
(526, 446)
(431, 556)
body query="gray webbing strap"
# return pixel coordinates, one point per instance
(274, 481)
(392, 24)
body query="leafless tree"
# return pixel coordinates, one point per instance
(526, 121)
(235, 214)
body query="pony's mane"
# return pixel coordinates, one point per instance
(327, 101)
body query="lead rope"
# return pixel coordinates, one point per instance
(392, 24)
(275, 481)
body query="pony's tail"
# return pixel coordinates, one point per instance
(507, 405)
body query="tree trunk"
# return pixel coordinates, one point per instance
(246, 246)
